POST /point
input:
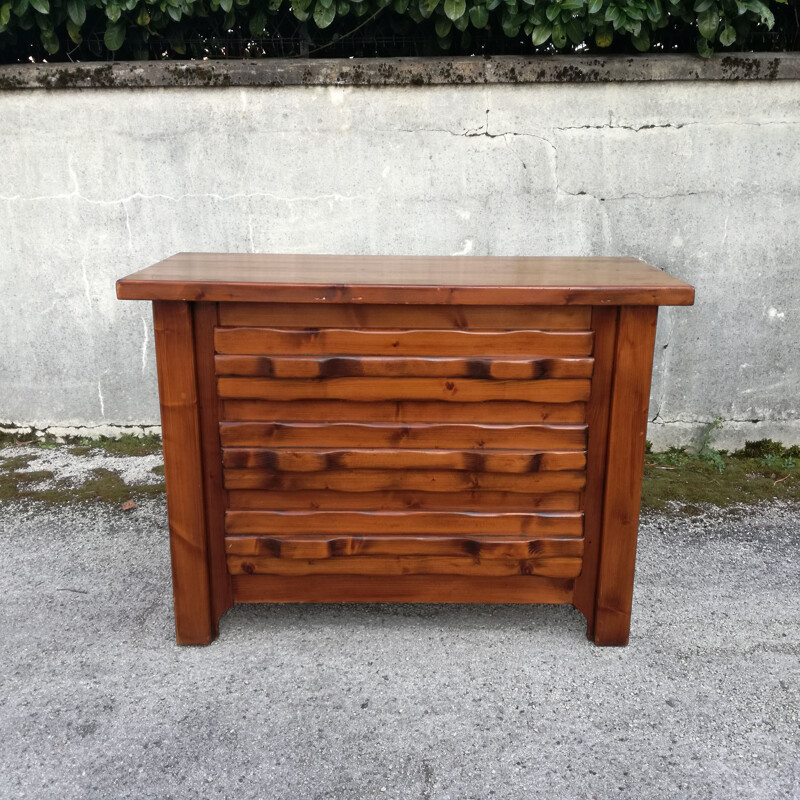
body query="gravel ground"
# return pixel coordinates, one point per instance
(397, 701)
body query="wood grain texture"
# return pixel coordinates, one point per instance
(321, 500)
(553, 523)
(368, 390)
(426, 435)
(400, 342)
(403, 412)
(401, 589)
(448, 280)
(557, 567)
(393, 367)
(284, 315)
(180, 430)
(368, 480)
(626, 442)
(308, 460)
(204, 320)
(604, 322)
(475, 547)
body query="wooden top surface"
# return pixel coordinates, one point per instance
(469, 280)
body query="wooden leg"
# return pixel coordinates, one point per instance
(622, 496)
(604, 325)
(180, 430)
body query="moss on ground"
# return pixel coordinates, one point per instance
(679, 481)
(103, 486)
(125, 445)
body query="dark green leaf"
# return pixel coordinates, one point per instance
(427, 7)
(342, 8)
(604, 36)
(704, 48)
(442, 26)
(559, 35)
(479, 16)
(400, 6)
(5, 14)
(462, 23)
(541, 33)
(144, 17)
(510, 25)
(50, 41)
(634, 13)
(226, 5)
(42, 6)
(74, 32)
(455, 8)
(19, 7)
(595, 6)
(175, 13)
(76, 10)
(574, 31)
(642, 41)
(113, 12)
(654, 10)
(114, 35)
(323, 16)
(703, 5)
(552, 12)
(728, 36)
(708, 22)
(491, 5)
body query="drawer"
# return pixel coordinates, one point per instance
(407, 445)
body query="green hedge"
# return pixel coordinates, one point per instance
(128, 25)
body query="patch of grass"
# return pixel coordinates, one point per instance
(693, 480)
(125, 445)
(159, 470)
(15, 462)
(80, 450)
(104, 486)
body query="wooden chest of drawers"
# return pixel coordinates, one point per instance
(395, 429)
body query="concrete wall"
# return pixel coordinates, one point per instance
(697, 178)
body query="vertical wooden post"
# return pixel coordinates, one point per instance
(180, 430)
(205, 320)
(604, 325)
(630, 396)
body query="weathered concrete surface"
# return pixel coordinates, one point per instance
(698, 179)
(274, 72)
(399, 701)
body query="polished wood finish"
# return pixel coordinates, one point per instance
(332, 435)
(381, 367)
(417, 434)
(562, 523)
(282, 315)
(383, 480)
(307, 460)
(204, 322)
(180, 431)
(627, 428)
(475, 547)
(604, 323)
(447, 280)
(403, 411)
(248, 341)
(397, 500)
(409, 588)
(364, 390)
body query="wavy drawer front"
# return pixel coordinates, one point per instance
(390, 440)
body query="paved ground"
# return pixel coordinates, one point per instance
(397, 701)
